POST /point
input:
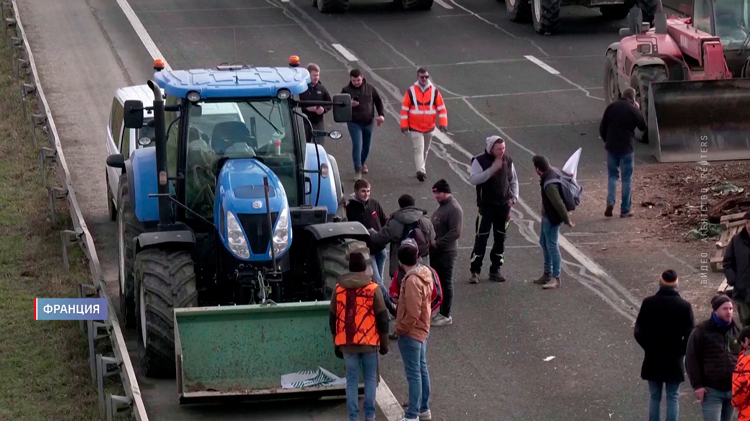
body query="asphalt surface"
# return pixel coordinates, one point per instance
(490, 363)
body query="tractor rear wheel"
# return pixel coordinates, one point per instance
(165, 280)
(546, 15)
(611, 78)
(128, 228)
(415, 4)
(648, 9)
(331, 6)
(617, 11)
(333, 257)
(518, 10)
(641, 80)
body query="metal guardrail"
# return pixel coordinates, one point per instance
(41, 119)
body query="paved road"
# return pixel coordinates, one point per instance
(489, 364)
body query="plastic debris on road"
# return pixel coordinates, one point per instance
(550, 358)
(312, 378)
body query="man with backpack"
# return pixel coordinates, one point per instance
(494, 175)
(554, 214)
(407, 222)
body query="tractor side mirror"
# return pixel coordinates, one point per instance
(116, 161)
(133, 110)
(342, 108)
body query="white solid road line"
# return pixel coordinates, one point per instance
(384, 397)
(141, 31)
(444, 4)
(542, 64)
(344, 52)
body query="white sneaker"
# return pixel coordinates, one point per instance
(441, 320)
(409, 419)
(425, 416)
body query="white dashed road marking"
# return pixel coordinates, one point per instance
(344, 52)
(542, 64)
(444, 4)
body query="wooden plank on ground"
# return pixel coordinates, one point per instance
(723, 287)
(732, 217)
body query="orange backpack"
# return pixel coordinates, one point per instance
(741, 386)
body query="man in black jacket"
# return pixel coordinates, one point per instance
(365, 101)
(662, 329)
(494, 175)
(737, 270)
(364, 209)
(448, 222)
(315, 113)
(711, 357)
(617, 130)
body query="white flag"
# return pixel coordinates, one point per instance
(571, 167)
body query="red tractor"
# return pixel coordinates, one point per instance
(690, 75)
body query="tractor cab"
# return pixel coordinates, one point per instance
(730, 21)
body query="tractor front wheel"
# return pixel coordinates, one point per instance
(331, 6)
(128, 228)
(333, 261)
(518, 10)
(165, 280)
(611, 77)
(546, 15)
(641, 80)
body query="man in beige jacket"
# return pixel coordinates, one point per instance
(413, 327)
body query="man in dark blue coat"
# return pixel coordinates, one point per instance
(662, 329)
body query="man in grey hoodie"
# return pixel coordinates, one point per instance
(394, 230)
(494, 175)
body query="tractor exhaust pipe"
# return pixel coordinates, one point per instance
(161, 153)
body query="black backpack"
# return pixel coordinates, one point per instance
(415, 232)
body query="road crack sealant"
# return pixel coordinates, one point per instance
(587, 273)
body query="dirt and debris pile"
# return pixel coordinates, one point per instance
(690, 199)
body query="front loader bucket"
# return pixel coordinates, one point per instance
(241, 352)
(692, 121)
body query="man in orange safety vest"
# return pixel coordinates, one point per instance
(422, 105)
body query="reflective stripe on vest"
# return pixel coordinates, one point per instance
(355, 316)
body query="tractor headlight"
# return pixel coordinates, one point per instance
(281, 234)
(235, 237)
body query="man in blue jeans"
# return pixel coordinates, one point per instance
(365, 102)
(662, 329)
(617, 130)
(413, 314)
(359, 324)
(367, 211)
(554, 214)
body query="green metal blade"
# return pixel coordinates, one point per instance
(246, 349)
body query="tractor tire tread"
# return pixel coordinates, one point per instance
(332, 6)
(643, 76)
(132, 229)
(334, 258)
(549, 17)
(648, 9)
(610, 62)
(169, 282)
(415, 4)
(520, 12)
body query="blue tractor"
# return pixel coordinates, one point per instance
(228, 205)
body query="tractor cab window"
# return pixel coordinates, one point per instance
(731, 22)
(702, 16)
(258, 129)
